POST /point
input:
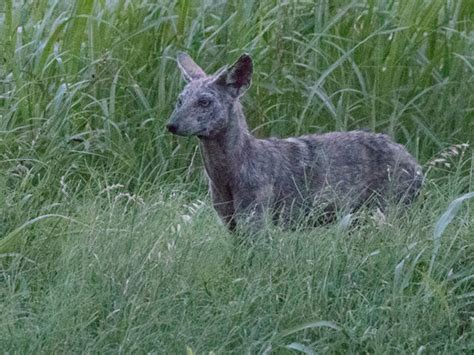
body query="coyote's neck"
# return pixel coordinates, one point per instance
(224, 153)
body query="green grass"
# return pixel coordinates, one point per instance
(107, 239)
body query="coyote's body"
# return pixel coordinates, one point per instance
(313, 175)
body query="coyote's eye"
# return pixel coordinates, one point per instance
(204, 102)
(179, 101)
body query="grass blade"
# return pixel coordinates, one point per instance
(310, 325)
(10, 242)
(301, 348)
(443, 222)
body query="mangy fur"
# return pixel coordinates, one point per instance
(313, 175)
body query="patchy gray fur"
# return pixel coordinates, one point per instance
(316, 174)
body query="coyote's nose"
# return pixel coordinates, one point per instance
(172, 127)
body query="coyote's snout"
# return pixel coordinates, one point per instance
(315, 174)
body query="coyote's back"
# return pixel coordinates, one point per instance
(338, 170)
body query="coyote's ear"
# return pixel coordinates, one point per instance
(191, 71)
(238, 77)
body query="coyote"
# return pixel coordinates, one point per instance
(313, 175)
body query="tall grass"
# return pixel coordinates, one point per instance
(159, 274)
(94, 84)
(96, 249)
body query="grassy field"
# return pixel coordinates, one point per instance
(108, 242)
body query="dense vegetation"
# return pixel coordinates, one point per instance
(107, 239)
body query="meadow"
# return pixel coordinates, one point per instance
(108, 241)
